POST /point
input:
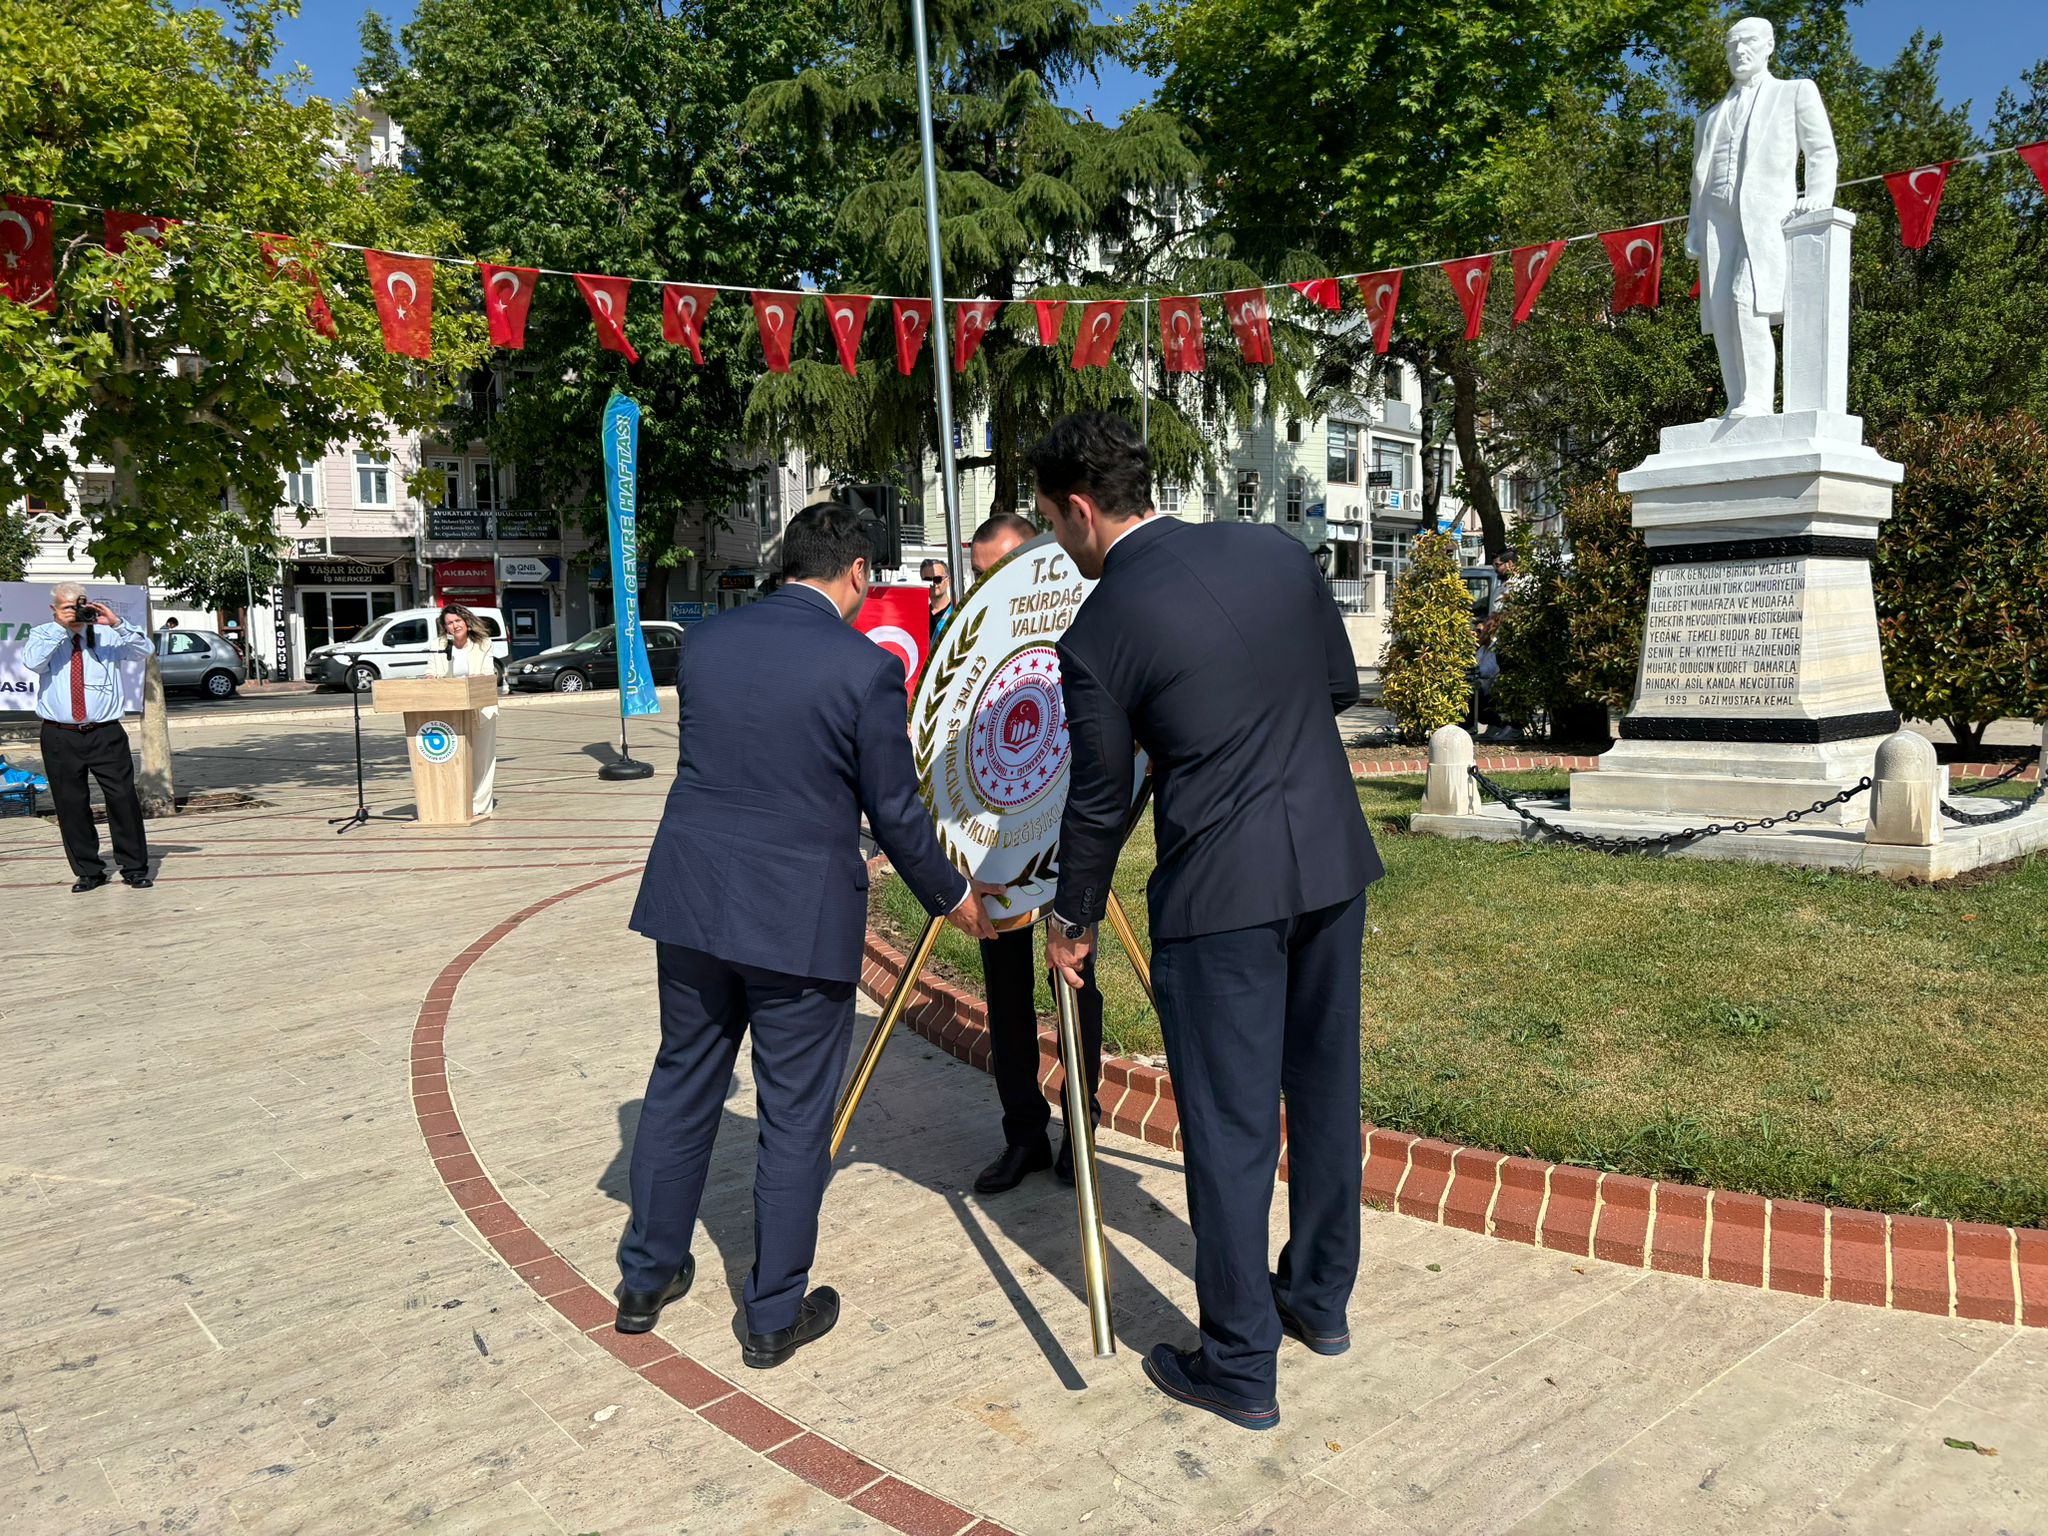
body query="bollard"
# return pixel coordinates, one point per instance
(1450, 791)
(1905, 793)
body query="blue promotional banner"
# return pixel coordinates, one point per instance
(621, 493)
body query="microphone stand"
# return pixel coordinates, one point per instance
(362, 815)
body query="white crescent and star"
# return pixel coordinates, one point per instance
(506, 277)
(603, 300)
(1382, 295)
(1628, 254)
(11, 218)
(412, 290)
(1913, 180)
(1474, 278)
(1538, 260)
(776, 316)
(892, 637)
(912, 320)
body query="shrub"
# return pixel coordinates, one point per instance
(1532, 632)
(1961, 572)
(1608, 595)
(1425, 673)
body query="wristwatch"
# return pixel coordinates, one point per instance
(1071, 930)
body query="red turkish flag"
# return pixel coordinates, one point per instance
(682, 317)
(1917, 196)
(846, 313)
(1254, 327)
(1100, 322)
(281, 253)
(606, 299)
(775, 318)
(508, 295)
(1382, 291)
(1532, 264)
(899, 620)
(403, 287)
(971, 320)
(1470, 277)
(1051, 314)
(2036, 158)
(123, 227)
(913, 319)
(28, 261)
(1637, 256)
(1321, 290)
(1180, 335)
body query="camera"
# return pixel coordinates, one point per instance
(85, 611)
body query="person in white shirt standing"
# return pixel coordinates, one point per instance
(464, 650)
(79, 695)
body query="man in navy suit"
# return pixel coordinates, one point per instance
(1219, 650)
(755, 894)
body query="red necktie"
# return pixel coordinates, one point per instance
(77, 681)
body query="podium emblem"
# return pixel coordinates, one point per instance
(436, 741)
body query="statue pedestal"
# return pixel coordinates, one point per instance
(1761, 687)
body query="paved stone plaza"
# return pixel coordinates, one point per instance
(238, 1290)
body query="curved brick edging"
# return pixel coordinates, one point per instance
(1913, 1263)
(823, 1463)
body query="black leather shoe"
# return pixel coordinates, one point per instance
(1172, 1372)
(88, 883)
(1321, 1343)
(641, 1310)
(1008, 1171)
(820, 1311)
(137, 882)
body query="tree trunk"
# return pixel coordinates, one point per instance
(1969, 735)
(1432, 476)
(1478, 474)
(153, 785)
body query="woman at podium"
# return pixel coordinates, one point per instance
(463, 649)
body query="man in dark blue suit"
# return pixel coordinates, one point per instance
(755, 893)
(1219, 650)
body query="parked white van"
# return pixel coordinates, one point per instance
(394, 646)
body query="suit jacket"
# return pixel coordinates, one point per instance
(792, 726)
(1788, 121)
(1219, 650)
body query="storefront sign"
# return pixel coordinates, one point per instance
(527, 570)
(686, 613)
(460, 581)
(443, 524)
(281, 629)
(529, 525)
(342, 573)
(736, 581)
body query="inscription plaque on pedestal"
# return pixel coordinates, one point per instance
(1724, 635)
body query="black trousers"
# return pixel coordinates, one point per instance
(800, 1029)
(69, 758)
(1249, 1015)
(1010, 974)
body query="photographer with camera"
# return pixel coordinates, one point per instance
(77, 660)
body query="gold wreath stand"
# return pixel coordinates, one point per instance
(1080, 1119)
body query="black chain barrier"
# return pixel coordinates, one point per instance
(1991, 818)
(1603, 844)
(1984, 786)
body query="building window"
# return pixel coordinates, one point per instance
(1394, 459)
(1343, 467)
(1297, 493)
(302, 486)
(1169, 498)
(1294, 431)
(1209, 501)
(1389, 553)
(1248, 495)
(484, 476)
(373, 480)
(447, 475)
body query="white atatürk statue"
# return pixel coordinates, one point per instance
(1746, 150)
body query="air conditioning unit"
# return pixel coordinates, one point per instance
(1386, 498)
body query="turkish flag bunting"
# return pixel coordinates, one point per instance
(280, 254)
(606, 297)
(1248, 318)
(913, 318)
(1180, 335)
(1917, 196)
(1470, 277)
(2036, 157)
(123, 227)
(1532, 264)
(1637, 256)
(1051, 313)
(846, 313)
(403, 287)
(1100, 322)
(28, 259)
(682, 317)
(508, 295)
(1382, 291)
(971, 320)
(1321, 290)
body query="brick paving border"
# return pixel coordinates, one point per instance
(1912, 1263)
(840, 1473)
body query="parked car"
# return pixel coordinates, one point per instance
(593, 660)
(394, 646)
(201, 660)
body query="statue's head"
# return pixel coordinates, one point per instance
(1750, 42)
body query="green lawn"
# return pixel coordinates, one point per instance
(1797, 1034)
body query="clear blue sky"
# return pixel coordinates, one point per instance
(1986, 43)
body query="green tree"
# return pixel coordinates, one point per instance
(1961, 574)
(1425, 673)
(191, 370)
(608, 139)
(217, 572)
(17, 544)
(1032, 197)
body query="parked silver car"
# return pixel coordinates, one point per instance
(199, 659)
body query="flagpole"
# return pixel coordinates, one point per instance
(1145, 380)
(942, 350)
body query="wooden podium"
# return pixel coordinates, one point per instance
(450, 740)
